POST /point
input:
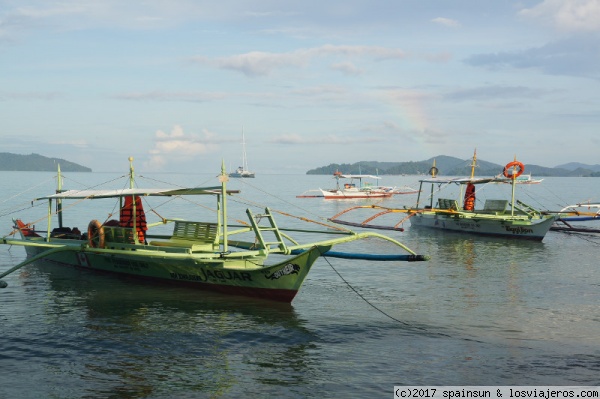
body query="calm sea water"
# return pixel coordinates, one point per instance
(481, 312)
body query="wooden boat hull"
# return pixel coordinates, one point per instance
(279, 282)
(504, 226)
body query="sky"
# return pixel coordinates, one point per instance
(177, 83)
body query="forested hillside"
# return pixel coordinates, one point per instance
(447, 166)
(38, 163)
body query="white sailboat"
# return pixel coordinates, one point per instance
(242, 171)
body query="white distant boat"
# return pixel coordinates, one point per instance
(351, 190)
(521, 179)
(242, 171)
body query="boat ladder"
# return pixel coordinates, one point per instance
(529, 210)
(272, 227)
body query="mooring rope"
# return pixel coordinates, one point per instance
(581, 236)
(371, 304)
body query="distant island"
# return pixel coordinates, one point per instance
(451, 166)
(37, 163)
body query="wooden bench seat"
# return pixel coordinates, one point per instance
(197, 236)
(444, 203)
(497, 207)
(119, 234)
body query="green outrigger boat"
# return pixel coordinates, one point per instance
(498, 217)
(214, 255)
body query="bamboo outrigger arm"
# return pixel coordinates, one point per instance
(58, 248)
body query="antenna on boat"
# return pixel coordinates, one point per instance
(244, 156)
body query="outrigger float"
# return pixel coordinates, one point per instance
(583, 212)
(498, 217)
(212, 255)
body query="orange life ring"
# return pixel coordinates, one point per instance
(96, 234)
(521, 169)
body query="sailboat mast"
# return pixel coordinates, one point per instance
(244, 159)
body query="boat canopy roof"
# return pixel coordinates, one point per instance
(91, 194)
(464, 180)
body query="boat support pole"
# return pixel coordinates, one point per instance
(59, 201)
(223, 177)
(512, 205)
(4, 284)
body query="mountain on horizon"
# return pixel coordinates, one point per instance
(451, 166)
(578, 165)
(37, 163)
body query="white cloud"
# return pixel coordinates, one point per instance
(323, 90)
(77, 143)
(258, 63)
(347, 68)
(176, 145)
(569, 16)
(29, 96)
(331, 139)
(494, 93)
(172, 96)
(577, 55)
(450, 23)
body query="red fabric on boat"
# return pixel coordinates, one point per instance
(469, 197)
(126, 217)
(25, 229)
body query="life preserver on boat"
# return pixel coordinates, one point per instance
(511, 165)
(95, 234)
(433, 171)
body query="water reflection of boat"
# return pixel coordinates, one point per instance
(136, 337)
(107, 296)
